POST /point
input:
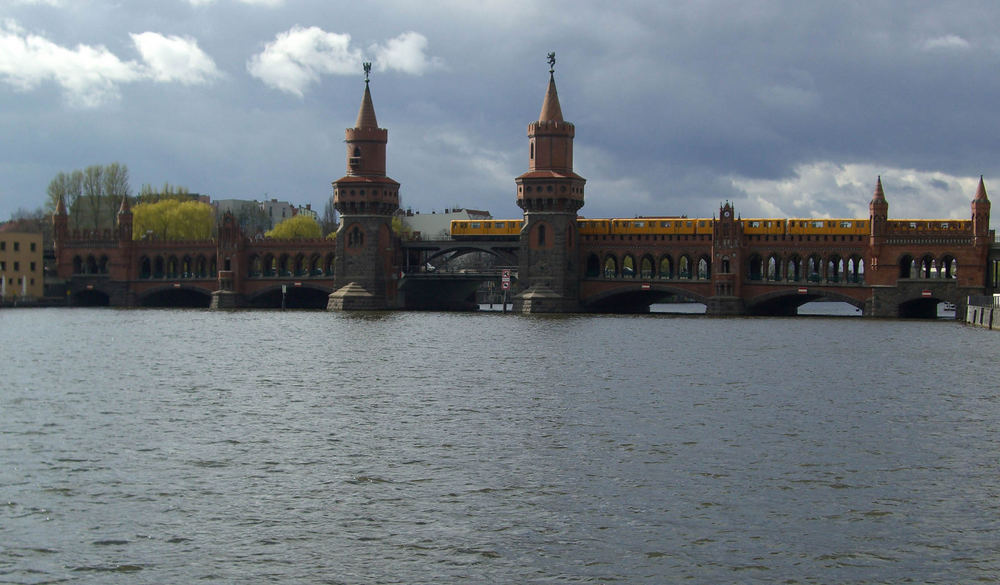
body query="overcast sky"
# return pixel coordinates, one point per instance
(788, 109)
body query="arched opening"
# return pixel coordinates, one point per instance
(158, 267)
(704, 268)
(646, 267)
(270, 265)
(187, 267)
(283, 266)
(77, 265)
(773, 268)
(329, 264)
(666, 267)
(593, 266)
(855, 270)
(905, 266)
(684, 267)
(814, 268)
(91, 265)
(145, 268)
(949, 267)
(541, 235)
(300, 265)
(90, 298)
(172, 266)
(315, 265)
(794, 272)
(201, 267)
(610, 267)
(102, 265)
(834, 268)
(755, 267)
(628, 266)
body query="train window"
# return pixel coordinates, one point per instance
(640, 224)
(845, 224)
(944, 225)
(500, 224)
(664, 224)
(817, 224)
(755, 224)
(913, 225)
(474, 225)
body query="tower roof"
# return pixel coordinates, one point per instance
(981, 190)
(366, 114)
(125, 206)
(879, 193)
(61, 206)
(551, 112)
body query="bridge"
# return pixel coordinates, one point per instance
(884, 267)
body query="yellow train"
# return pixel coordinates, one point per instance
(492, 229)
(464, 229)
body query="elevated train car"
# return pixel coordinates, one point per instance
(492, 229)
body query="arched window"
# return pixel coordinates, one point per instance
(628, 266)
(905, 266)
(610, 267)
(704, 268)
(646, 267)
(666, 267)
(541, 235)
(593, 266)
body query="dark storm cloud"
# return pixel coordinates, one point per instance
(783, 107)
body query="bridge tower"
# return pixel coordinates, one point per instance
(550, 194)
(366, 200)
(981, 216)
(727, 264)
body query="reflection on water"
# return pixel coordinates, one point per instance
(309, 447)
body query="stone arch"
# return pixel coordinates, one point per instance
(78, 265)
(855, 269)
(159, 267)
(315, 264)
(284, 265)
(906, 266)
(666, 267)
(684, 267)
(793, 271)
(834, 268)
(814, 268)
(610, 266)
(187, 266)
(270, 265)
(173, 267)
(628, 266)
(145, 267)
(91, 267)
(593, 266)
(755, 267)
(704, 268)
(299, 265)
(948, 267)
(201, 266)
(647, 267)
(927, 267)
(772, 268)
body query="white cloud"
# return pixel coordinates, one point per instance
(174, 59)
(405, 53)
(296, 59)
(826, 189)
(91, 75)
(88, 75)
(946, 43)
(268, 3)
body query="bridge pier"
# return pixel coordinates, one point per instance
(725, 306)
(226, 299)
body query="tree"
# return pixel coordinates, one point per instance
(297, 227)
(147, 194)
(170, 219)
(93, 195)
(329, 221)
(116, 186)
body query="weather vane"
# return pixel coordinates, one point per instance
(368, 69)
(552, 62)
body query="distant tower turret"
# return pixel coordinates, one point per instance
(550, 194)
(981, 214)
(366, 200)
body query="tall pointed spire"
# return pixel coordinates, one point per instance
(551, 111)
(879, 193)
(981, 190)
(125, 207)
(366, 114)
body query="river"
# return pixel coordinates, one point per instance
(186, 446)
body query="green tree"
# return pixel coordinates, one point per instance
(297, 227)
(149, 194)
(170, 219)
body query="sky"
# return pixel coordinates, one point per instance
(786, 109)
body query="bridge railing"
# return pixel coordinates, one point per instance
(984, 300)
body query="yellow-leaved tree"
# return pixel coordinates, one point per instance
(297, 227)
(170, 219)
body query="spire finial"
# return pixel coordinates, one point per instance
(552, 63)
(368, 69)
